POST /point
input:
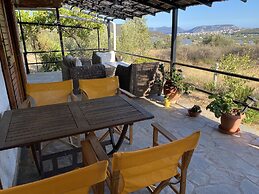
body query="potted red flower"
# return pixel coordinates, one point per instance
(174, 85)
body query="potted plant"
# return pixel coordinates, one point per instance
(229, 113)
(195, 111)
(174, 85)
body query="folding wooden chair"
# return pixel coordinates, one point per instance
(75, 182)
(40, 94)
(162, 165)
(104, 87)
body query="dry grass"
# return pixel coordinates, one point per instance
(207, 56)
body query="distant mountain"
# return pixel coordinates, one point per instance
(199, 29)
(165, 30)
(225, 28)
(213, 28)
(249, 31)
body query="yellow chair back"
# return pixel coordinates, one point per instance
(142, 168)
(49, 93)
(75, 182)
(99, 88)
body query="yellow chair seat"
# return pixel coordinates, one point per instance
(139, 169)
(75, 182)
(99, 88)
(49, 93)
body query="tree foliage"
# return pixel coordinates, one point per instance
(135, 37)
(45, 38)
(236, 64)
(217, 40)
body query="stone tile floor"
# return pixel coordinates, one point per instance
(221, 164)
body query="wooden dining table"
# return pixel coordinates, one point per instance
(31, 126)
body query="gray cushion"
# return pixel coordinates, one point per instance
(95, 58)
(86, 72)
(68, 62)
(85, 61)
(110, 70)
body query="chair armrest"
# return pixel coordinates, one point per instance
(93, 152)
(130, 95)
(26, 103)
(74, 98)
(158, 128)
(84, 96)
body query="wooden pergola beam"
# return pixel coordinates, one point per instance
(204, 2)
(146, 3)
(173, 4)
(37, 3)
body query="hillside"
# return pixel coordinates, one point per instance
(213, 28)
(165, 30)
(199, 29)
(250, 31)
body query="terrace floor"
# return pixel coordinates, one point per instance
(221, 164)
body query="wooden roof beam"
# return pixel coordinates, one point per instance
(172, 3)
(37, 4)
(143, 2)
(204, 2)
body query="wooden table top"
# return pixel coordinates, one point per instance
(22, 127)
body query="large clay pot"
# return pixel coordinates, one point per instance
(174, 96)
(168, 87)
(171, 92)
(230, 123)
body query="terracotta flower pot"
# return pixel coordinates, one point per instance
(193, 114)
(168, 87)
(171, 92)
(230, 123)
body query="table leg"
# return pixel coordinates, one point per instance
(117, 146)
(111, 132)
(37, 160)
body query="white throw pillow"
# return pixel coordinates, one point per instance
(78, 62)
(106, 56)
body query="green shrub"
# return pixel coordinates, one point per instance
(217, 40)
(51, 57)
(252, 116)
(236, 64)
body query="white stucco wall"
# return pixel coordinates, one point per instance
(8, 158)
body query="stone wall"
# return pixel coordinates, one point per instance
(8, 158)
(143, 77)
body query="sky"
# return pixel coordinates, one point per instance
(233, 12)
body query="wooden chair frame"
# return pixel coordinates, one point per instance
(93, 152)
(28, 103)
